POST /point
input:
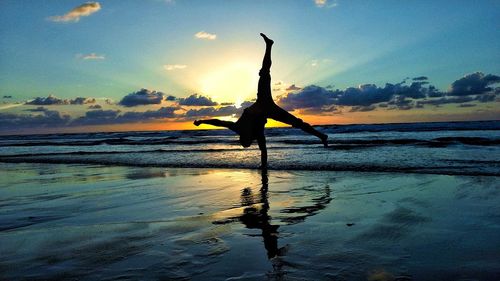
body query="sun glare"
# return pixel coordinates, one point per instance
(234, 83)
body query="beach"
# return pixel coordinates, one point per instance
(249, 140)
(96, 222)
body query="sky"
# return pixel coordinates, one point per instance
(74, 66)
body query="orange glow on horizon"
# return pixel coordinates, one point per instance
(342, 118)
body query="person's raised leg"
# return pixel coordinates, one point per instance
(279, 114)
(264, 86)
(266, 62)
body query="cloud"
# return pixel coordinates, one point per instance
(45, 118)
(486, 98)
(97, 117)
(52, 118)
(401, 103)
(405, 95)
(95, 106)
(142, 97)
(102, 117)
(324, 3)
(170, 67)
(91, 56)
(246, 104)
(163, 112)
(416, 90)
(320, 3)
(227, 109)
(50, 100)
(420, 78)
(197, 100)
(368, 94)
(432, 92)
(211, 111)
(362, 108)
(473, 84)
(53, 100)
(80, 100)
(48, 118)
(293, 88)
(444, 100)
(311, 97)
(365, 95)
(74, 15)
(205, 35)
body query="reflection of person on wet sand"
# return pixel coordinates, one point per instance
(250, 126)
(255, 215)
(253, 218)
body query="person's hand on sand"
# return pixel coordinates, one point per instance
(324, 140)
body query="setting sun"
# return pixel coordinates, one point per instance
(235, 83)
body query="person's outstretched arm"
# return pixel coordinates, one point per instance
(263, 152)
(215, 122)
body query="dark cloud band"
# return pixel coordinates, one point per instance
(142, 97)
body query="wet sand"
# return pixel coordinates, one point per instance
(91, 222)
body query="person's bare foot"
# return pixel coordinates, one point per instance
(197, 122)
(268, 41)
(324, 140)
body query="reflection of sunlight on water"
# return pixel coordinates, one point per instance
(381, 275)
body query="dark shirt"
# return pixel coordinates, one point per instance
(251, 123)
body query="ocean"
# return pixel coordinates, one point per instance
(457, 148)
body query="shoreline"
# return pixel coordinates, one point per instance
(354, 169)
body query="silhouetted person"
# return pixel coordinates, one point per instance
(250, 126)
